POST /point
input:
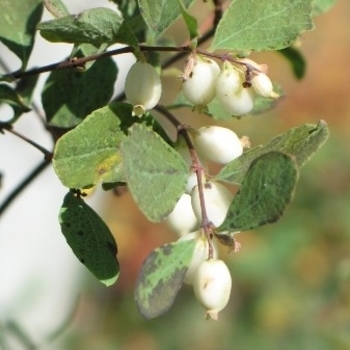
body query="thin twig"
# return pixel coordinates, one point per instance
(197, 167)
(27, 180)
(8, 127)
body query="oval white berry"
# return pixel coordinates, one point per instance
(262, 85)
(217, 201)
(200, 254)
(200, 87)
(182, 219)
(212, 286)
(217, 144)
(143, 87)
(231, 94)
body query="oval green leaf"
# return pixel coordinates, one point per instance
(258, 25)
(160, 14)
(90, 238)
(18, 20)
(90, 153)
(156, 174)
(70, 95)
(300, 142)
(160, 278)
(266, 191)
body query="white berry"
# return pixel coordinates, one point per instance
(217, 201)
(143, 87)
(212, 286)
(182, 219)
(200, 254)
(217, 144)
(262, 85)
(200, 87)
(231, 94)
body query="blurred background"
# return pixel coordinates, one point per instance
(291, 279)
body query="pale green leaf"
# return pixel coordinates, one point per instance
(160, 14)
(265, 192)
(90, 238)
(56, 7)
(257, 25)
(10, 96)
(300, 142)
(70, 95)
(161, 277)
(18, 20)
(322, 6)
(156, 174)
(96, 26)
(190, 21)
(90, 153)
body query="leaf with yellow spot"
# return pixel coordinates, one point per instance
(90, 153)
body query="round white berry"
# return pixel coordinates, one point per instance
(217, 144)
(199, 88)
(231, 94)
(217, 201)
(200, 254)
(182, 219)
(143, 87)
(262, 85)
(212, 286)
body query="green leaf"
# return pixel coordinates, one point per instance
(57, 8)
(161, 276)
(190, 21)
(160, 14)
(25, 89)
(18, 20)
(156, 174)
(90, 238)
(296, 59)
(10, 96)
(70, 95)
(90, 153)
(265, 192)
(258, 25)
(300, 142)
(322, 6)
(96, 26)
(127, 7)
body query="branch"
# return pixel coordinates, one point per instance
(27, 180)
(8, 127)
(196, 167)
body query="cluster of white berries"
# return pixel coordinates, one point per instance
(203, 81)
(209, 276)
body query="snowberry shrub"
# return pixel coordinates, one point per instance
(96, 138)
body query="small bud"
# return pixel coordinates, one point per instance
(182, 219)
(212, 286)
(262, 85)
(143, 87)
(199, 87)
(217, 201)
(217, 144)
(200, 254)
